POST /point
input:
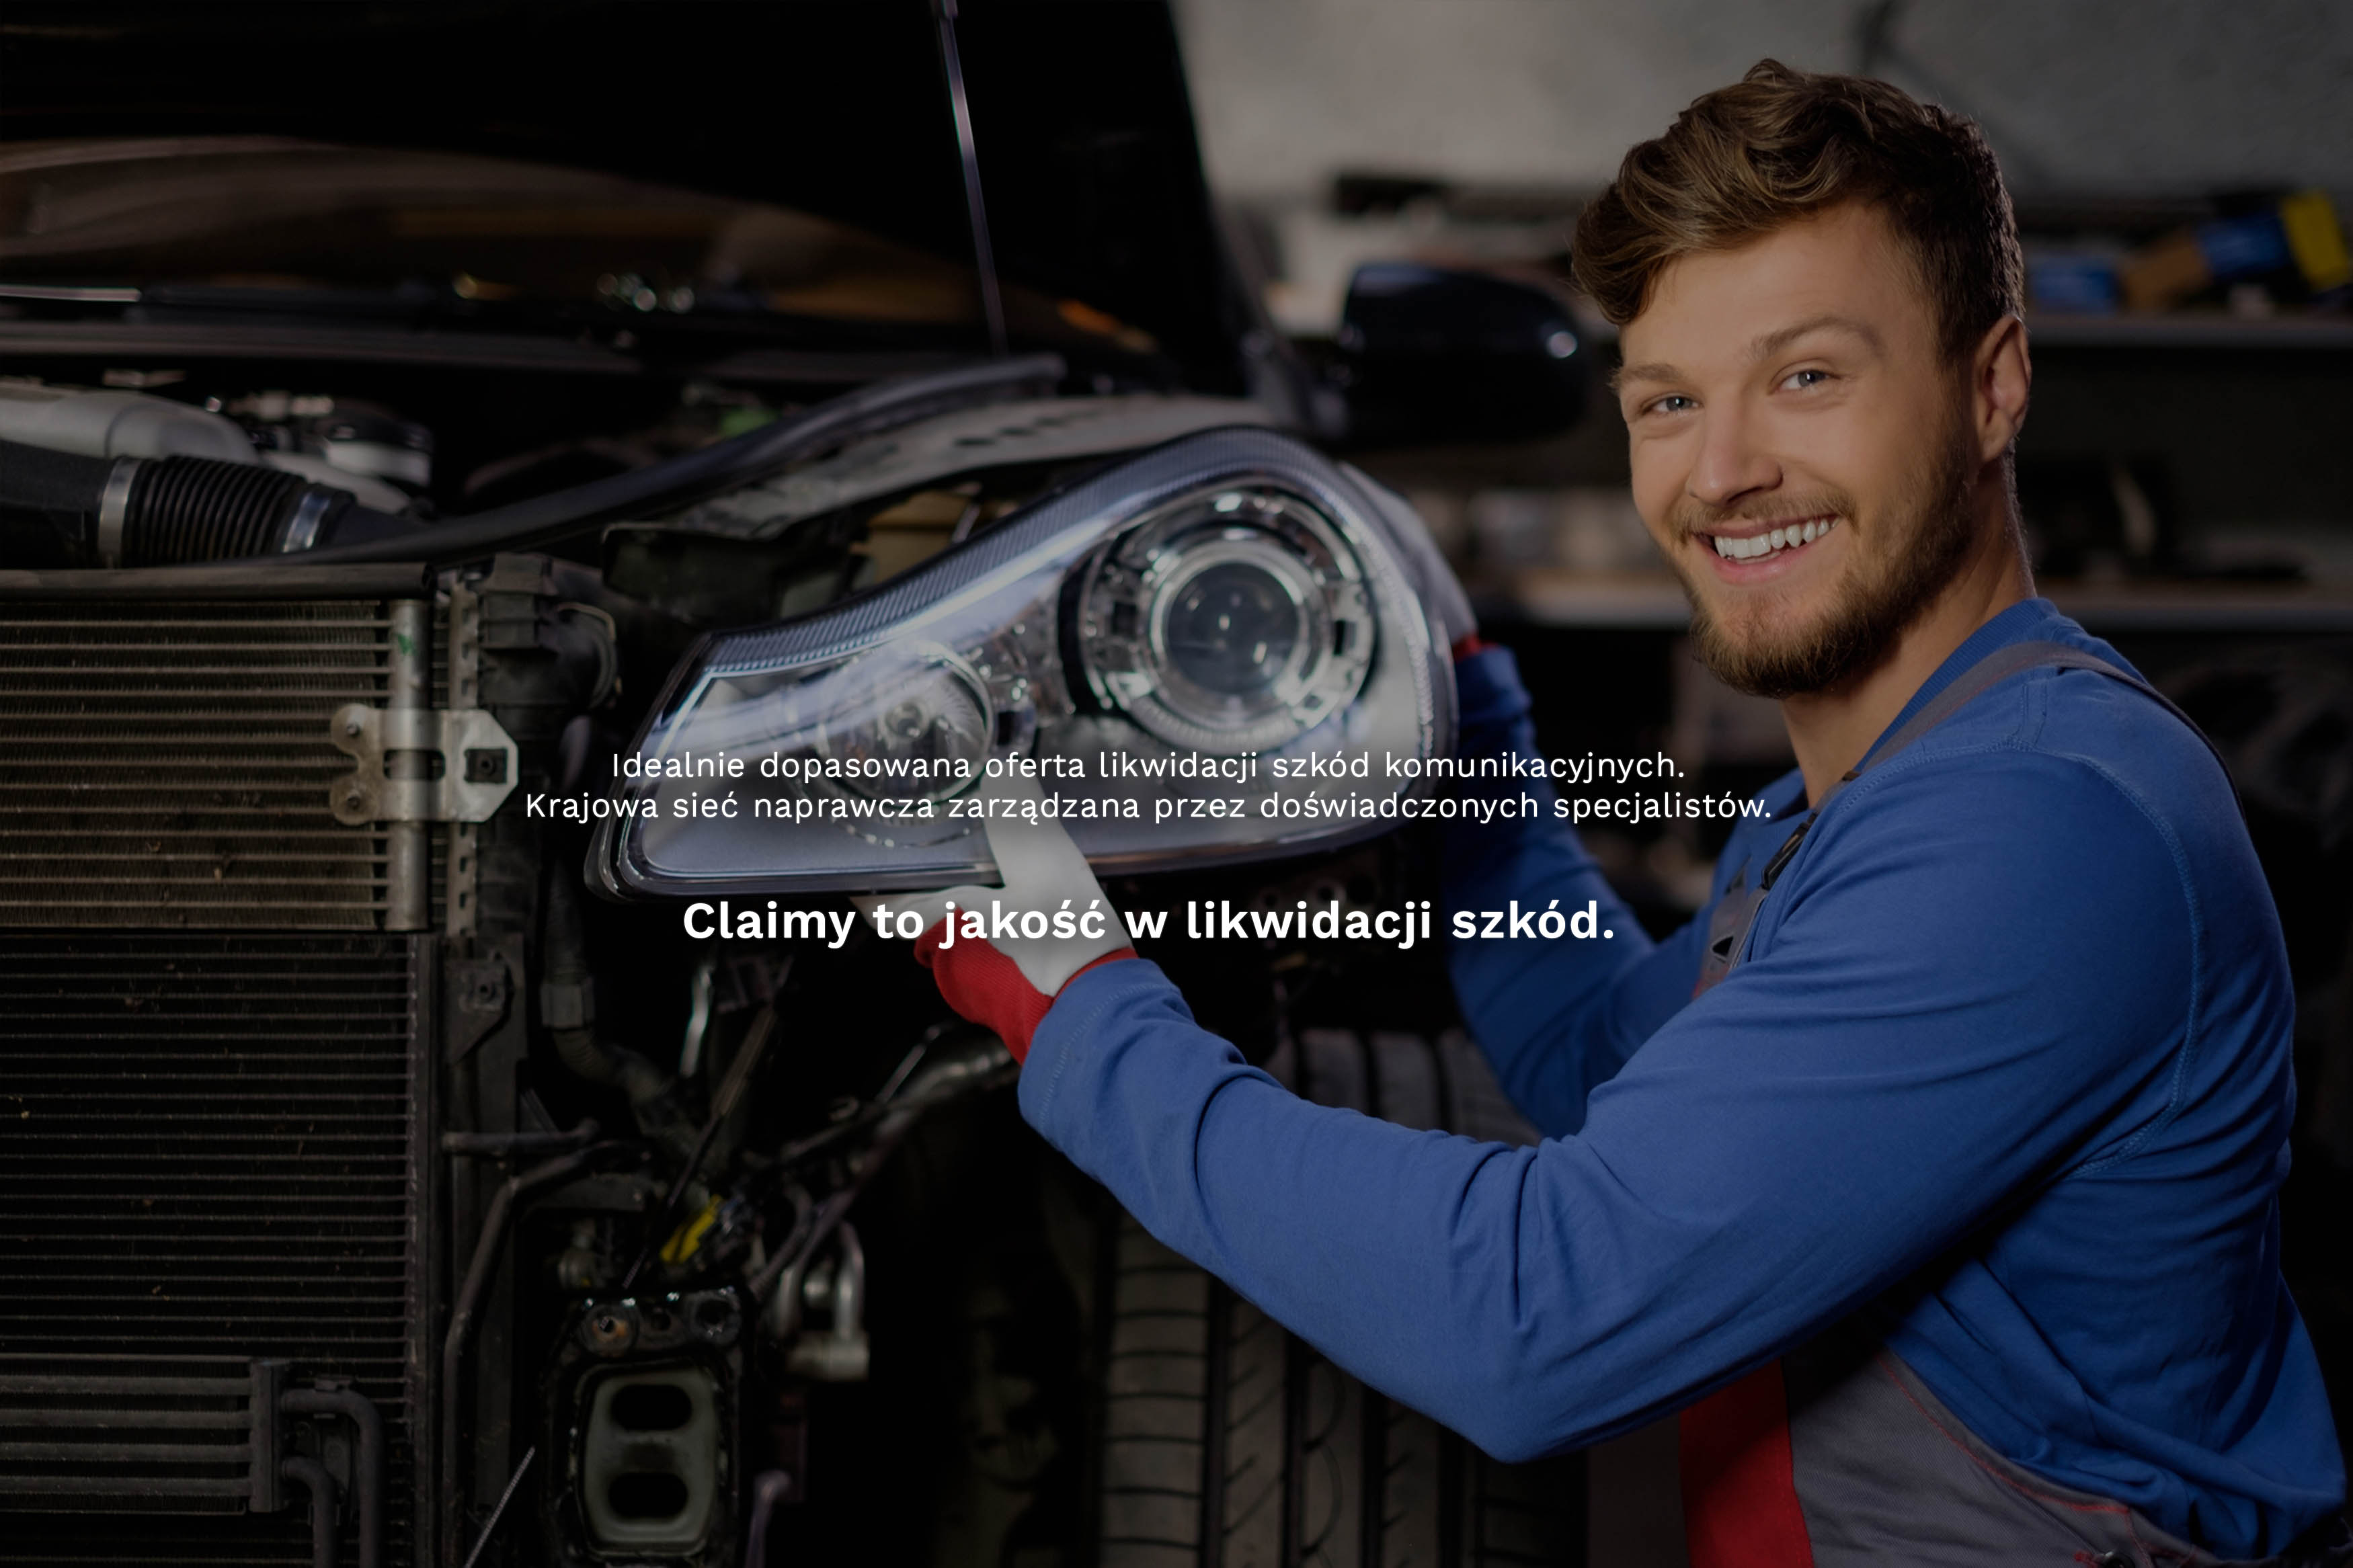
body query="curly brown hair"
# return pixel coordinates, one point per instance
(1782, 144)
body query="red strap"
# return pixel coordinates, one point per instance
(984, 985)
(1469, 644)
(1740, 1485)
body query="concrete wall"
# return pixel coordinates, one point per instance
(2111, 95)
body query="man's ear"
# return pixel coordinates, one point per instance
(2001, 376)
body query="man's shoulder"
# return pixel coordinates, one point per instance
(1999, 802)
(2069, 750)
(2059, 795)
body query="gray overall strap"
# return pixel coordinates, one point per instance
(1735, 912)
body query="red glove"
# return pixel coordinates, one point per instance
(985, 986)
(1001, 955)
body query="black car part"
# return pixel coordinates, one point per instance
(643, 1424)
(739, 460)
(61, 508)
(208, 1435)
(239, 1018)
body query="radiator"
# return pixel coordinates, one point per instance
(167, 763)
(215, 1068)
(211, 1154)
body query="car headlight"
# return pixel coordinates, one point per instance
(1150, 643)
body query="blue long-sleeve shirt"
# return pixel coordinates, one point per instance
(2006, 1072)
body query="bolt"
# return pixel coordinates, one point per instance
(608, 1331)
(352, 726)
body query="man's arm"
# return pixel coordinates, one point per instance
(1557, 1019)
(1984, 987)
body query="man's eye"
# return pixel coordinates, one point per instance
(1672, 402)
(1799, 380)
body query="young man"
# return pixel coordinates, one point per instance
(1932, 1172)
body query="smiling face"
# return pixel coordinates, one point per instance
(1802, 450)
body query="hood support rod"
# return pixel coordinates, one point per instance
(984, 257)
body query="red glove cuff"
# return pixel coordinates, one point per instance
(987, 987)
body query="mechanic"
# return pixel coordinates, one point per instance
(1932, 1172)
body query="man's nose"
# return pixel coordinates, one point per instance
(1730, 462)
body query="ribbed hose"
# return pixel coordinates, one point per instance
(173, 511)
(198, 509)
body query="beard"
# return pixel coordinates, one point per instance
(1892, 575)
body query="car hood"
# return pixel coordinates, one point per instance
(1081, 124)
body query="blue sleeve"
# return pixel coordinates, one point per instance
(1977, 982)
(1555, 1019)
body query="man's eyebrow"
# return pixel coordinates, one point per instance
(1765, 346)
(1770, 343)
(1654, 370)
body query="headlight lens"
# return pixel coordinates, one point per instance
(1149, 643)
(1232, 623)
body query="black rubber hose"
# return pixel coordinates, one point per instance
(652, 1094)
(181, 510)
(314, 1475)
(200, 509)
(718, 467)
(38, 479)
(459, 1339)
(367, 1464)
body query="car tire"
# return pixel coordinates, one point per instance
(1226, 1443)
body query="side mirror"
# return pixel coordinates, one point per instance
(1428, 354)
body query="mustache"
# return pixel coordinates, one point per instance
(1692, 516)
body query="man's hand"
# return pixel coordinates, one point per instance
(989, 968)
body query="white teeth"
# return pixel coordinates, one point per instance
(1766, 543)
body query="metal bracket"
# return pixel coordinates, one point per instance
(462, 868)
(478, 765)
(477, 995)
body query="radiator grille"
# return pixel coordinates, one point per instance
(168, 765)
(207, 1149)
(113, 1431)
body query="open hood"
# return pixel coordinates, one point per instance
(1080, 121)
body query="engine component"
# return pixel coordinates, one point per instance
(370, 451)
(149, 511)
(1136, 641)
(478, 764)
(645, 1416)
(1020, 431)
(841, 1353)
(354, 448)
(226, 1091)
(648, 1460)
(172, 763)
(568, 1010)
(174, 1229)
(704, 472)
(109, 423)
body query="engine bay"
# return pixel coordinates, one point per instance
(626, 1213)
